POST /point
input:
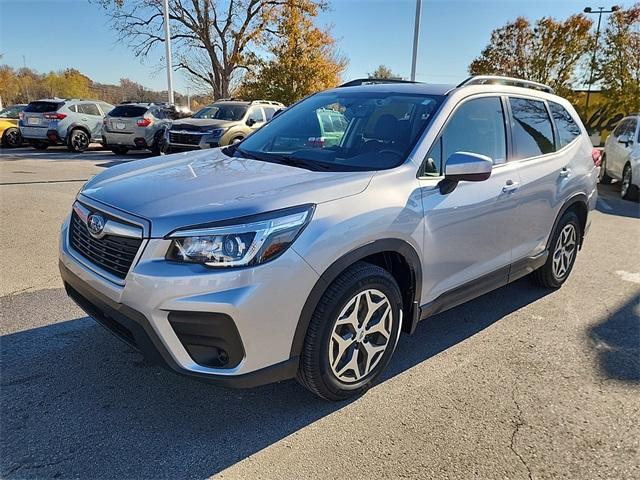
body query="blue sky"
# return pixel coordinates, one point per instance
(58, 34)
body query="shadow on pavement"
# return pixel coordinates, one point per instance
(617, 342)
(78, 403)
(610, 202)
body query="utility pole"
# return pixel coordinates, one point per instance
(188, 99)
(416, 36)
(600, 11)
(167, 44)
(24, 66)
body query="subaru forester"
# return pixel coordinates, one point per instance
(288, 256)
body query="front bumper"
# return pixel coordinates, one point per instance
(264, 303)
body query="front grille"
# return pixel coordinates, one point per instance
(111, 253)
(184, 138)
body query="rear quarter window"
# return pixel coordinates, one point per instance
(568, 129)
(128, 111)
(41, 107)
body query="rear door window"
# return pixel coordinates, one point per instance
(531, 126)
(41, 107)
(89, 109)
(269, 111)
(255, 114)
(568, 129)
(477, 126)
(128, 111)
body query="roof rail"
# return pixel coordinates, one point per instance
(228, 99)
(510, 81)
(268, 102)
(373, 81)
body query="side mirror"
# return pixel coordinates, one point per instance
(251, 122)
(467, 167)
(624, 138)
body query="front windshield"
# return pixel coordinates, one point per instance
(345, 130)
(229, 112)
(11, 112)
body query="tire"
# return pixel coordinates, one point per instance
(562, 256)
(324, 367)
(119, 150)
(11, 138)
(236, 140)
(39, 145)
(78, 140)
(158, 146)
(628, 190)
(603, 178)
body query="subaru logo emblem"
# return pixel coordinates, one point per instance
(95, 224)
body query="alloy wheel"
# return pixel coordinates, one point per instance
(565, 251)
(13, 138)
(79, 141)
(360, 336)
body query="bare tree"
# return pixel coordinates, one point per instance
(213, 40)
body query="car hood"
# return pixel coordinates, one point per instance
(192, 188)
(199, 122)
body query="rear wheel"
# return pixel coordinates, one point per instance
(158, 146)
(11, 138)
(352, 334)
(603, 177)
(78, 140)
(628, 190)
(119, 150)
(563, 249)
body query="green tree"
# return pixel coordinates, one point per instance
(384, 72)
(619, 60)
(549, 52)
(304, 58)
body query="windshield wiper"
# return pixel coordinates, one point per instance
(282, 159)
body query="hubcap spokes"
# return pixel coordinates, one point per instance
(360, 336)
(565, 251)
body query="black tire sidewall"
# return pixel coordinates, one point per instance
(5, 137)
(70, 145)
(569, 217)
(383, 282)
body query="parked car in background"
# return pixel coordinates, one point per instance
(9, 130)
(263, 260)
(621, 158)
(58, 121)
(135, 126)
(219, 124)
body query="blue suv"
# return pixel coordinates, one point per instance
(71, 122)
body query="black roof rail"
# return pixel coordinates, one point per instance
(510, 81)
(373, 81)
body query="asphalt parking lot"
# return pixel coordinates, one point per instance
(520, 383)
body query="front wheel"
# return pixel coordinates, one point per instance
(78, 141)
(628, 190)
(352, 334)
(563, 249)
(11, 138)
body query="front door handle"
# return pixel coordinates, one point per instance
(510, 186)
(565, 172)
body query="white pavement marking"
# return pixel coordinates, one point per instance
(628, 276)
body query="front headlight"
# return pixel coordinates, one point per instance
(216, 132)
(253, 241)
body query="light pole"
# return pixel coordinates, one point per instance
(167, 44)
(599, 11)
(416, 35)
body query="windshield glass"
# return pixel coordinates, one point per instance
(345, 130)
(222, 112)
(11, 112)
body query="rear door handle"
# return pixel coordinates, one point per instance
(565, 172)
(511, 186)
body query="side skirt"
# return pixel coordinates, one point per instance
(482, 285)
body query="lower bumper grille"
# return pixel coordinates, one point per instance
(111, 253)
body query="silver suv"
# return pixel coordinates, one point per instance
(71, 122)
(135, 126)
(286, 255)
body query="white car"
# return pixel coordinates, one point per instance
(621, 159)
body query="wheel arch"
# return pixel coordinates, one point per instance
(396, 256)
(579, 204)
(75, 126)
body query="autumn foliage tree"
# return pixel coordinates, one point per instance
(618, 62)
(548, 51)
(303, 59)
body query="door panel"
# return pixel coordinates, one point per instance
(468, 233)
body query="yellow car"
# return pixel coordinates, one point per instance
(9, 131)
